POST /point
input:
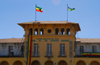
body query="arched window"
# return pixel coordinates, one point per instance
(41, 31)
(62, 31)
(57, 31)
(30, 31)
(68, 31)
(36, 31)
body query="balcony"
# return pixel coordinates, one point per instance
(36, 54)
(89, 54)
(22, 53)
(48, 54)
(62, 54)
(11, 54)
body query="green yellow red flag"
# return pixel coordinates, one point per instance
(29, 49)
(39, 9)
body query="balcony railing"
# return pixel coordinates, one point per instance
(11, 54)
(48, 54)
(89, 54)
(22, 53)
(62, 54)
(36, 54)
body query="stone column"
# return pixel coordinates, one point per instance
(59, 31)
(38, 31)
(65, 30)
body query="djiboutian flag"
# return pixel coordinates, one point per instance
(39, 9)
(29, 48)
(71, 9)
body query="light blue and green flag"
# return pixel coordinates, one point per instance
(71, 9)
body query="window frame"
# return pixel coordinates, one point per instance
(49, 49)
(62, 49)
(35, 49)
(81, 48)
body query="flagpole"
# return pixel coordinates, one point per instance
(35, 12)
(67, 12)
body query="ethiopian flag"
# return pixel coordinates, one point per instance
(29, 49)
(39, 9)
(71, 9)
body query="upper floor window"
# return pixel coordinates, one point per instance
(11, 53)
(36, 31)
(22, 50)
(30, 31)
(57, 31)
(35, 49)
(94, 49)
(41, 31)
(2, 45)
(62, 31)
(62, 49)
(49, 49)
(81, 48)
(10, 48)
(68, 31)
(49, 31)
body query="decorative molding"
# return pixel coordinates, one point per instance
(49, 40)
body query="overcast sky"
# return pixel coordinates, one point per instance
(87, 14)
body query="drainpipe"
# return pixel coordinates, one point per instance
(87, 63)
(54, 63)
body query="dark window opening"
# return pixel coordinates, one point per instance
(22, 50)
(35, 49)
(68, 31)
(49, 48)
(36, 31)
(30, 31)
(2, 45)
(62, 31)
(62, 49)
(11, 53)
(93, 48)
(41, 31)
(49, 31)
(57, 31)
(10, 48)
(81, 48)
